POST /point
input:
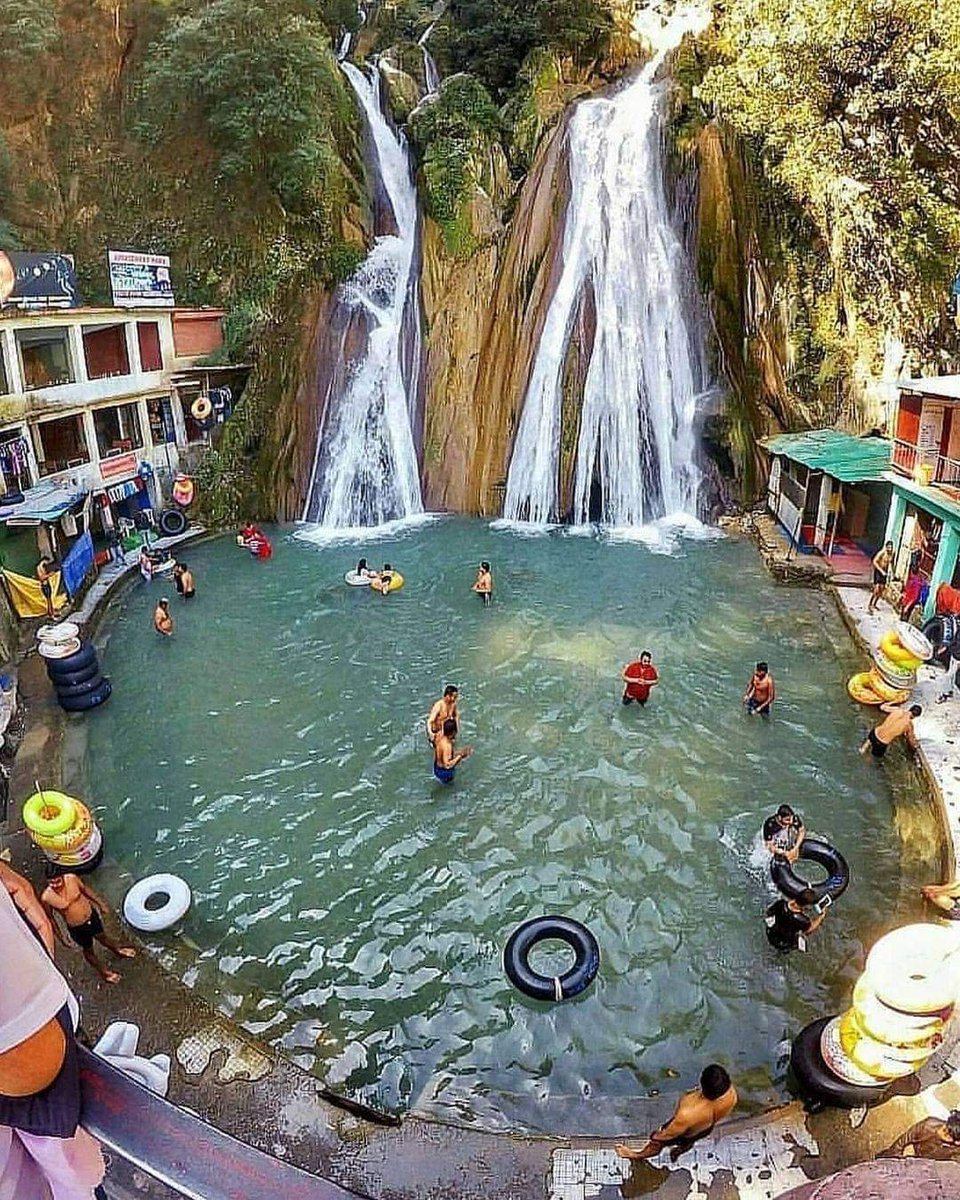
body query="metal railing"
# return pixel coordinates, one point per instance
(925, 466)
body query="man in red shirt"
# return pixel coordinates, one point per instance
(639, 677)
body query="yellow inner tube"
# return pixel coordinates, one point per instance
(886, 691)
(396, 583)
(860, 688)
(49, 813)
(71, 839)
(891, 646)
(201, 409)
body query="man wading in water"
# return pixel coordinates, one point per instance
(445, 758)
(444, 710)
(761, 691)
(898, 724)
(162, 621)
(695, 1116)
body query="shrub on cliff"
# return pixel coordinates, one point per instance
(853, 107)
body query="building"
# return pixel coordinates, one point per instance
(924, 517)
(830, 493)
(95, 418)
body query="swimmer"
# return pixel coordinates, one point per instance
(882, 563)
(162, 621)
(788, 926)
(783, 833)
(945, 896)
(383, 579)
(696, 1114)
(183, 580)
(364, 571)
(899, 723)
(484, 585)
(639, 677)
(445, 758)
(146, 565)
(761, 691)
(81, 908)
(445, 709)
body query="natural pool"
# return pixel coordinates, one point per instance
(353, 911)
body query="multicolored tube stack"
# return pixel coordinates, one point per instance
(901, 1005)
(902, 650)
(64, 829)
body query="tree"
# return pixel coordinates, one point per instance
(28, 28)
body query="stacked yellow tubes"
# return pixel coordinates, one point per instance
(62, 827)
(902, 650)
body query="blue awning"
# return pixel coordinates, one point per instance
(46, 502)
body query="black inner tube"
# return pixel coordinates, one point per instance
(789, 883)
(516, 958)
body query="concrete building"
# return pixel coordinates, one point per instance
(924, 518)
(95, 415)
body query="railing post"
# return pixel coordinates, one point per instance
(895, 518)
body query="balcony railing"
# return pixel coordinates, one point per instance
(925, 466)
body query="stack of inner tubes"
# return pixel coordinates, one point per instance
(77, 678)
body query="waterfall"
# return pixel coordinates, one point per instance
(366, 470)
(431, 76)
(622, 260)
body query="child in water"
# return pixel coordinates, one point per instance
(484, 585)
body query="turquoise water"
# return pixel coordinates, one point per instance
(353, 911)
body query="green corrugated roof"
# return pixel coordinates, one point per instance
(847, 458)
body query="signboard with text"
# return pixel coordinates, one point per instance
(140, 280)
(37, 280)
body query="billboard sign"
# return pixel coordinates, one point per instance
(37, 280)
(140, 280)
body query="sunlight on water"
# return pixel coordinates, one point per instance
(353, 912)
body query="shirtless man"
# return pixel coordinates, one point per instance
(162, 621)
(945, 896)
(882, 562)
(484, 585)
(695, 1116)
(445, 709)
(81, 907)
(44, 576)
(899, 723)
(761, 691)
(446, 759)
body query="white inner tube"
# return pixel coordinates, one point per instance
(59, 649)
(913, 640)
(170, 889)
(66, 631)
(914, 969)
(355, 580)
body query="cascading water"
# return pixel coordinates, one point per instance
(366, 470)
(431, 76)
(647, 367)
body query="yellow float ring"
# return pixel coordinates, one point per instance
(892, 647)
(886, 691)
(396, 583)
(201, 409)
(862, 690)
(71, 839)
(62, 810)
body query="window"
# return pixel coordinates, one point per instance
(105, 351)
(60, 444)
(13, 462)
(118, 429)
(160, 412)
(148, 336)
(45, 356)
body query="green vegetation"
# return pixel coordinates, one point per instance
(450, 135)
(851, 109)
(28, 28)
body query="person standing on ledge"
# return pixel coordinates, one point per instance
(484, 585)
(882, 562)
(81, 908)
(162, 621)
(639, 677)
(444, 710)
(761, 691)
(446, 758)
(695, 1116)
(899, 723)
(44, 574)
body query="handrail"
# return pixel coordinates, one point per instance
(182, 1150)
(907, 456)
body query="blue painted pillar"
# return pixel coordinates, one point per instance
(945, 565)
(895, 518)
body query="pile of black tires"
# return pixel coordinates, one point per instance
(78, 681)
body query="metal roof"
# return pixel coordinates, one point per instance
(946, 387)
(48, 501)
(847, 458)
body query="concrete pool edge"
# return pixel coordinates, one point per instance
(260, 1096)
